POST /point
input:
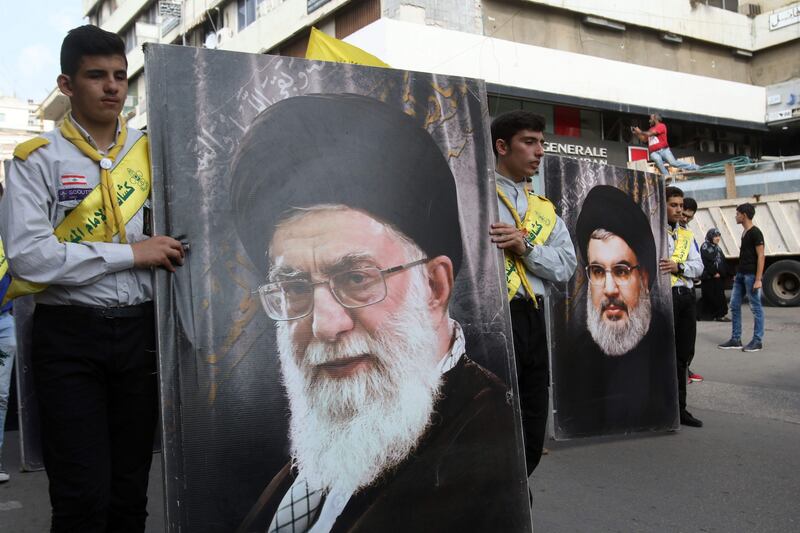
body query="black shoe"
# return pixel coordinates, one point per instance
(752, 346)
(730, 344)
(722, 319)
(688, 420)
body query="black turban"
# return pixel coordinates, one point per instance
(609, 208)
(343, 149)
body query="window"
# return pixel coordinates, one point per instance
(591, 127)
(559, 120)
(247, 12)
(355, 16)
(129, 36)
(502, 104)
(105, 10)
(567, 121)
(313, 5)
(133, 91)
(149, 15)
(730, 5)
(545, 110)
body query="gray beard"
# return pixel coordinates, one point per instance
(346, 432)
(619, 337)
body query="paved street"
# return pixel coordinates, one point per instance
(738, 473)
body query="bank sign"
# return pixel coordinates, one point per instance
(597, 151)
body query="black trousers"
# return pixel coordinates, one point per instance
(95, 380)
(684, 313)
(533, 376)
(715, 304)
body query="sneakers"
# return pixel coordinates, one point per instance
(4, 475)
(695, 377)
(731, 344)
(752, 346)
(722, 319)
(688, 420)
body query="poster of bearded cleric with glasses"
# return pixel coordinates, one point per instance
(335, 353)
(613, 360)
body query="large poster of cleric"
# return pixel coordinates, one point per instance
(336, 351)
(613, 358)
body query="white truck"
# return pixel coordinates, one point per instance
(778, 217)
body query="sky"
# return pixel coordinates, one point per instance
(30, 42)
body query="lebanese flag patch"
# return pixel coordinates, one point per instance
(73, 180)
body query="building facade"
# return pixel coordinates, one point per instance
(725, 74)
(19, 121)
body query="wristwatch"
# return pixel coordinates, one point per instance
(528, 248)
(680, 268)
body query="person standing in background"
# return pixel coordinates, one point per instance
(683, 265)
(689, 210)
(714, 304)
(537, 251)
(747, 281)
(8, 350)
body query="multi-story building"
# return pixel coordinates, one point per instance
(725, 74)
(19, 121)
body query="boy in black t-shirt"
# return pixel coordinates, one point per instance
(748, 279)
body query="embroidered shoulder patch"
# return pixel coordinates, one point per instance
(68, 194)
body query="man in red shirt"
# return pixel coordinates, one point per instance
(658, 147)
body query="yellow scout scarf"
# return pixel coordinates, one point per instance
(111, 209)
(125, 187)
(683, 241)
(540, 219)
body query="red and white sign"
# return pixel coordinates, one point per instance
(73, 180)
(635, 153)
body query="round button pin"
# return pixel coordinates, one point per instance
(105, 163)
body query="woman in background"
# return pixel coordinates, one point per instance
(714, 306)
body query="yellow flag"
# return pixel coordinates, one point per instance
(325, 48)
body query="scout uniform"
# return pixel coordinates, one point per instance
(70, 212)
(550, 257)
(683, 251)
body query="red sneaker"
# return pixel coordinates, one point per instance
(695, 377)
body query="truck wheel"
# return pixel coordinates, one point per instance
(782, 283)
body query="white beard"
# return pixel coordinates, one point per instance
(621, 336)
(346, 432)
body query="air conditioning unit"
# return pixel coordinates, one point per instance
(211, 41)
(223, 35)
(750, 9)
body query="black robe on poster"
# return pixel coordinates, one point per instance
(598, 394)
(465, 475)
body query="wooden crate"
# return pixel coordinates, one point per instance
(679, 174)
